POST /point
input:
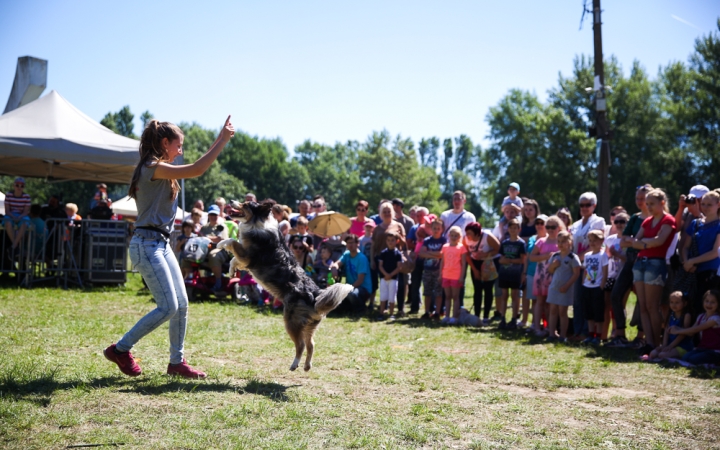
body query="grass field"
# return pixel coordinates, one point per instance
(401, 384)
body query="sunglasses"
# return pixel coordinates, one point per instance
(360, 209)
(551, 227)
(298, 247)
(540, 223)
(317, 205)
(20, 185)
(690, 199)
(620, 222)
(585, 205)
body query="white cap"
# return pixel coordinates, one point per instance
(699, 190)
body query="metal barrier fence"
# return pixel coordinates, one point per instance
(87, 251)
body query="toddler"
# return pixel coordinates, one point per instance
(595, 264)
(510, 274)
(322, 267)
(431, 254)
(511, 199)
(388, 264)
(565, 270)
(452, 268)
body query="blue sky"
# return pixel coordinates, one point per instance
(329, 70)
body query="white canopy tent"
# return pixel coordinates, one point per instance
(126, 207)
(50, 138)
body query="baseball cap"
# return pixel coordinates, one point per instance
(370, 224)
(430, 218)
(20, 180)
(101, 186)
(397, 201)
(698, 191)
(542, 217)
(515, 185)
(214, 209)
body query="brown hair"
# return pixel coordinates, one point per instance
(302, 220)
(363, 203)
(152, 152)
(279, 209)
(564, 235)
(534, 204)
(557, 221)
(659, 195)
(597, 234)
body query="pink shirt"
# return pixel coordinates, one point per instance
(358, 228)
(452, 261)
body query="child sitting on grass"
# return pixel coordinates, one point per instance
(565, 270)
(453, 268)
(708, 325)
(322, 267)
(674, 346)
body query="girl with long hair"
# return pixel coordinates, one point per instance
(154, 187)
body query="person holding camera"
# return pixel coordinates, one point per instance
(689, 210)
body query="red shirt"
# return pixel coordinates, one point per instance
(649, 232)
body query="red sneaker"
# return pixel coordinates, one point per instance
(125, 361)
(184, 370)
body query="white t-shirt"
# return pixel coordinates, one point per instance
(593, 264)
(448, 217)
(580, 232)
(615, 265)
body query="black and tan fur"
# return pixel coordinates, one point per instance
(261, 250)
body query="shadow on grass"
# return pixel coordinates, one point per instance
(31, 383)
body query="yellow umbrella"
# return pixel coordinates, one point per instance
(329, 223)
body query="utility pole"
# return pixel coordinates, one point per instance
(601, 123)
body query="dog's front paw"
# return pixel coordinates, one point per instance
(307, 367)
(295, 364)
(225, 244)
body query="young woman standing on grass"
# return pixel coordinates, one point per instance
(155, 188)
(650, 270)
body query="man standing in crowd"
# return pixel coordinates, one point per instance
(457, 215)
(401, 217)
(303, 211)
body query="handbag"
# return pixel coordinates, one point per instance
(408, 263)
(488, 271)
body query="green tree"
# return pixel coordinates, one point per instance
(331, 171)
(120, 122)
(216, 181)
(265, 168)
(146, 117)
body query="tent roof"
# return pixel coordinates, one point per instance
(50, 138)
(126, 206)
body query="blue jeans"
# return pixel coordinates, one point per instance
(159, 268)
(651, 271)
(699, 356)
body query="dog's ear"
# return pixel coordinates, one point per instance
(264, 208)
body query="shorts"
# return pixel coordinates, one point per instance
(509, 284)
(388, 290)
(374, 280)
(652, 271)
(15, 219)
(529, 281)
(594, 301)
(448, 283)
(432, 286)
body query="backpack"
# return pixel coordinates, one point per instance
(196, 249)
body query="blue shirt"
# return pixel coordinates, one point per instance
(532, 266)
(433, 245)
(705, 235)
(376, 218)
(354, 267)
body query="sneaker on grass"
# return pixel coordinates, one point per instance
(124, 360)
(184, 370)
(617, 342)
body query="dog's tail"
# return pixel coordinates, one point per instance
(331, 297)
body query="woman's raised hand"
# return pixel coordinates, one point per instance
(228, 130)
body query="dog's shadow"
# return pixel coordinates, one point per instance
(274, 391)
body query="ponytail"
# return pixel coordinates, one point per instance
(152, 152)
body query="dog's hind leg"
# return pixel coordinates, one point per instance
(299, 349)
(310, 348)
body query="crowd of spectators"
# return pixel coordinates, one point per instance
(545, 274)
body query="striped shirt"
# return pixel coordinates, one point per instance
(16, 205)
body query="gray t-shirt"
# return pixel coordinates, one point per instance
(155, 205)
(561, 276)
